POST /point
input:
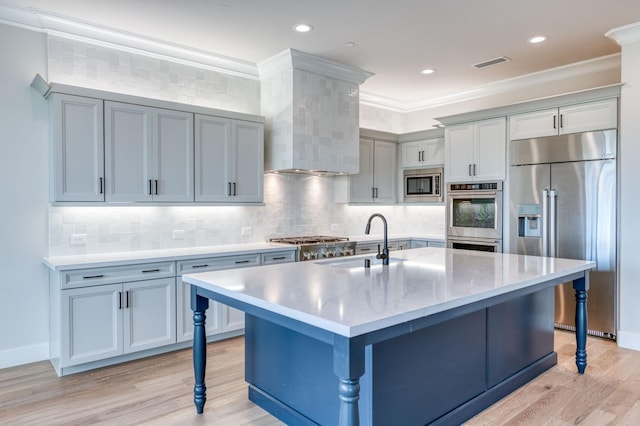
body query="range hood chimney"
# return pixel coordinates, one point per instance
(311, 108)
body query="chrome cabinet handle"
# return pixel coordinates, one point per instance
(470, 174)
(150, 191)
(234, 189)
(554, 121)
(561, 121)
(119, 300)
(474, 169)
(127, 305)
(156, 186)
(101, 186)
(229, 189)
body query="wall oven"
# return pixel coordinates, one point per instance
(474, 214)
(423, 185)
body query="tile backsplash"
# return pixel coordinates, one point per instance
(294, 205)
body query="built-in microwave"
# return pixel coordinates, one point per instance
(423, 185)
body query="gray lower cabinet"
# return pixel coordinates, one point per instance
(220, 318)
(106, 312)
(105, 315)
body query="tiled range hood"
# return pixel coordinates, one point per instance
(311, 111)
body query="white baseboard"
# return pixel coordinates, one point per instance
(24, 355)
(628, 340)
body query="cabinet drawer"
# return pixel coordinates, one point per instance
(117, 274)
(216, 263)
(278, 257)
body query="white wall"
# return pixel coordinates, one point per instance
(629, 297)
(24, 198)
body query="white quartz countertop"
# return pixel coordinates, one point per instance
(341, 296)
(132, 257)
(60, 263)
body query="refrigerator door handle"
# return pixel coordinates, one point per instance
(553, 215)
(545, 223)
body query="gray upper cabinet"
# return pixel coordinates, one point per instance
(375, 182)
(423, 153)
(583, 117)
(78, 148)
(229, 160)
(148, 154)
(116, 148)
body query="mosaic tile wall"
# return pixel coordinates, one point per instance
(294, 205)
(87, 65)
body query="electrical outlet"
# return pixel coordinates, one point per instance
(246, 230)
(179, 234)
(78, 239)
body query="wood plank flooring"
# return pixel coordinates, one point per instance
(158, 390)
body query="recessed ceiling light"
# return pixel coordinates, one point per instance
(427, 71)
(303, 28)
(537, 39)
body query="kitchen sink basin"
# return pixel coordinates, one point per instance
(351, 263)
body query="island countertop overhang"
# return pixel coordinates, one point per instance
(353, 300)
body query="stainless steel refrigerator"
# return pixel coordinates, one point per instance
(563, 204)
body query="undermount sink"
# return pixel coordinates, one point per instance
(357, 263)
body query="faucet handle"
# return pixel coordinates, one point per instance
(381, 255)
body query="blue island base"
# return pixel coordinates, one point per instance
(444, 373)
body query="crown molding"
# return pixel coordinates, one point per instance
(626, 34)
(575, 70)
(74, 29)
(292, 58)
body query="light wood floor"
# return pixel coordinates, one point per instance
(158, 390)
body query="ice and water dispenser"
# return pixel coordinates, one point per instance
(529, 220)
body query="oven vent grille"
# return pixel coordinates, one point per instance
(490, 62)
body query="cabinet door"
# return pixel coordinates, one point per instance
(490, 149)
(173, 156)
(128, 152)
(361, 184)
(247, 161)
(384, 169)
(149, 314)
(458, 154)
(232, 319)
(78, 148)
(534, 124)
(433, 152)
(411, 154)
(91, 321)
(589, 116)
(213, 150)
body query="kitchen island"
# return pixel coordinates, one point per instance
(435, 337)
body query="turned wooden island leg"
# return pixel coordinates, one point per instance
(199, 305)
(581, 286)
(348, 365)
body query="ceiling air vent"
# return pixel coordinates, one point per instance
(490, 62)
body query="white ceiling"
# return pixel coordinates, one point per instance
(393, 39)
